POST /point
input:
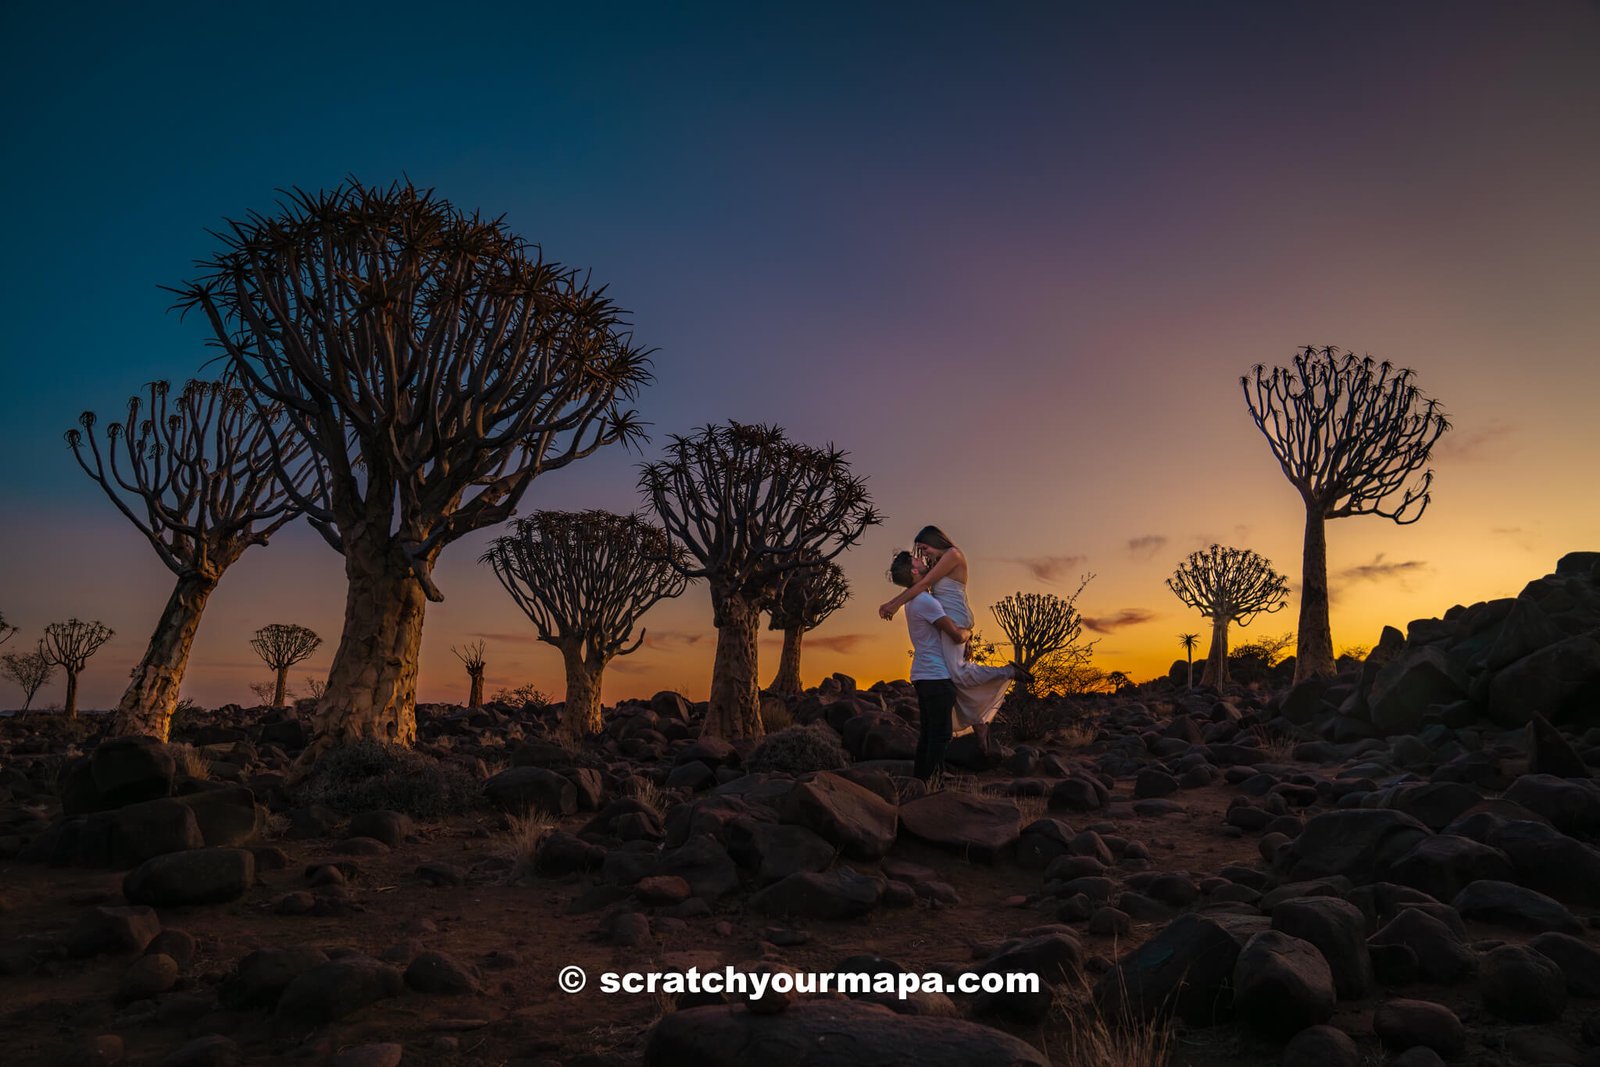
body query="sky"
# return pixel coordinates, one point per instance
(1014, 258)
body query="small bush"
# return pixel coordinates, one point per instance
(775, 714)
(189, 760)
(185, 717)
(1028, 717)
(525, 834)
(372, 776)
(800, 749)
(526, 697)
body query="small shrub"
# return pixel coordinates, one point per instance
(1029, 717)
(185, 717)
(372, 776)
(1030, 809)
(800, 749)
(527, 697)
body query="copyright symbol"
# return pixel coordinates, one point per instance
(572, 979)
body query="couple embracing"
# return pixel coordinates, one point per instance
(951, 689)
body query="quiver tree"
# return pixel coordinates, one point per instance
(69, 645)
(471, 657)
(1227, 585)
(583, 579)
(30, 670)
(1351, 436)
(806, 596)
(7, 631)
(1040, 626)
(195, 473)
(749, 505)
(435, 364)
(281, 645)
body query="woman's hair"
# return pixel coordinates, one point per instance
(933, 537)
(900, 572)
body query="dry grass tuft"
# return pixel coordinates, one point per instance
(189, 760)
(1030, 809)
(1078, 735)
(524, 835)
(1092, 1037)
(657, 797)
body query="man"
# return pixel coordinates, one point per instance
(936, 693)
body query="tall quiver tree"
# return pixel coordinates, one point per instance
(471, 657)
(1040, 625)
(195, 474)
(583, 579)
(807, 596)
(1351, 436)
(749, 505)
(281, 645)
(1227, 585)
(435, 364)
(69, 645)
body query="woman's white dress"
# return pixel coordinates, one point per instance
(979, 690)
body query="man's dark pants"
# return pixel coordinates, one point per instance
(936, 700)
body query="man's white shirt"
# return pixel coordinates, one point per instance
(927, 644)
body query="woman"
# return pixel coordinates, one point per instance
(980, 689)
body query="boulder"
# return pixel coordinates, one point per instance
(1578, 959)
(1338, 929)
(840, 893)
(1522, 986)
(1444, 865)
(335, 989)
(522, 789)
(1561, 682)
(1405, 1024)
(1357, 843)
(1437, 952)
(1281, 984)
(980, 828)
(1186, 969)
(1515, 906)
(261, 976)
(1549, 861)
(1406, 687)
(857, 821)
(126, 770)
(198, 876)
(704, 864)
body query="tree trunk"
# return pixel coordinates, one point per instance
(372, 683)
(475, 697)
(1191, 669)
(147, 705)
(72, 693)
(1216, 672)
(735, 705)
(281, 688)
(787, 681)
(580, 715)
(1314, 642)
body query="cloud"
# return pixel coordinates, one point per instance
(1146, 546)
(1050, 568)
(1382, 570)
(517, 638)
(842, 643)
(1474, 446)
(1104, 624)
(672, 638)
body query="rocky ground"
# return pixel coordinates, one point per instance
(1398, 863)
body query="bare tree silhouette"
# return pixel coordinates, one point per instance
(30, 670)
(281, 645)
(435, 364)
(1349, 434)
(749, 504)
(1040, 626)
(1188, 642)
(471, 657)
(806, 597)
(1227, 585)
(7, 631)
(69, 645)
(196, 475)
(583, 579)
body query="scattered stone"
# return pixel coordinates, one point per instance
(337, 988)
(440, 972)
(1522, 986)
(198, 876)
(1404, 1024)
(981, 828)
(1281, 984)
(147, 977)
(1321, 1046)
